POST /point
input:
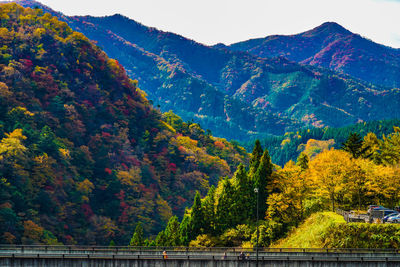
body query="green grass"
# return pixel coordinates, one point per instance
(309, 234)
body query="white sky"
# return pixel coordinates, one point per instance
(228, 21)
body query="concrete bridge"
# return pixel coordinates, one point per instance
(74, 256)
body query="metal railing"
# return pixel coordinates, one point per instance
(68, 249)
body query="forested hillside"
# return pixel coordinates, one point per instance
(313, 140)
(366, 171)
(235, 94)
(84, 156)
(332, 46)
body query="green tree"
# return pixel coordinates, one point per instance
(244, 195)
(137, 239)
(196, 217)
(184, 231)
(209, 211)
(302, 161)
(255, 157)
(225, 206)
(262, 178)
(172, 235)
(355, 146)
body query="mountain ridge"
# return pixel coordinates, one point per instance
(332, 46)
(236, 94)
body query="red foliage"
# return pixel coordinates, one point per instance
(124, 166)
(107, 170)
(87, 210)
(120, 195)
(105, 134)
(172, 167)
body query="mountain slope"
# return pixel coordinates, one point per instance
(83, 155)
(235, 94)
(332, 46)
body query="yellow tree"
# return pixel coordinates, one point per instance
(294, 186)
(384, 184)
(328, 172)
(11, 146)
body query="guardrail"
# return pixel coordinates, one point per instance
(68, 249)
(305, 257)
(353, 217)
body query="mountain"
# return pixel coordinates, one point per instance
(332, 46)
(235, 94)
(84, 156)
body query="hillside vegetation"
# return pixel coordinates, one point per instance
(363, 172)
(84, 156)
(235, 94)
(311, 233)
(311, 140)
(329, 230)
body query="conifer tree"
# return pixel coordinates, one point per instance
(184, 231)
(209, 211)
(196, 217)
(261, 179)
(171, 232)
(225, 206)
(137, 239)
(161, 239)
(355, 145)
(243, 195)
(255, 157)
(302, 161)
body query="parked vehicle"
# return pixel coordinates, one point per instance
(394, 219)
(393, 214)
(372, 207)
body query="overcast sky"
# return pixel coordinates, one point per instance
(228, 21)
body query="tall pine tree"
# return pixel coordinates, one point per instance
(184, 231)
(262, 178)
(255, 157)
(209, 211)
(137, 239)
(196, 217)
(225, 206)
(355, 146)
(172, 233)
(243, 195)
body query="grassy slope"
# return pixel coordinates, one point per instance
(308, 234)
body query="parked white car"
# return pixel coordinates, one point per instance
(394, 219)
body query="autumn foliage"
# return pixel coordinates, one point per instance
(84, 156)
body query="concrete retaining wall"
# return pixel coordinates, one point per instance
(103, 262)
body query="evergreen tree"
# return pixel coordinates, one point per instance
(255, 157)
(137, 239)
(302, 161)
(196, 217)
(261, 179)
(184, 231)
(209, 211)
(244, 196)
(225, 207)
(161, 239)
(355, 146)
(171, 233)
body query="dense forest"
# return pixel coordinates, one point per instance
(238, 95)
(313, 140)
(363, 172)
(86, 159)
(84, 156)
